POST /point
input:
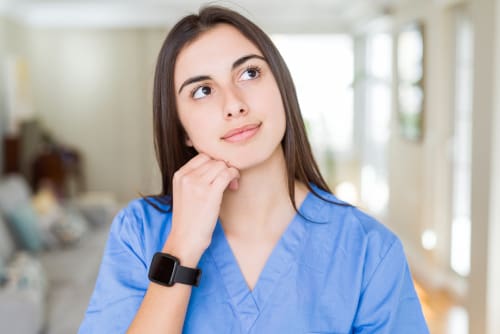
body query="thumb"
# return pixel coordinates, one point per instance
(234, 184)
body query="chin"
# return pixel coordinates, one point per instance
(247, 161)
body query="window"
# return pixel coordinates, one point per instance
(461, 159)
(322, 69)
(375, 128)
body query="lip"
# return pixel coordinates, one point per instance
(242, 133)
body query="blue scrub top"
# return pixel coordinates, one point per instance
(335, 270)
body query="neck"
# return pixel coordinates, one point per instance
(262, 198)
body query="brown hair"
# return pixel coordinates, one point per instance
(171, 151)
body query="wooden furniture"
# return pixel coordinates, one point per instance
(11, 147)
(40, 159)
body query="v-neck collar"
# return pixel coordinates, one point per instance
(248, 303)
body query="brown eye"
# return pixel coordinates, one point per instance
(250, 73)
(201, 92)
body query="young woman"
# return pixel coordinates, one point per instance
(245, 236)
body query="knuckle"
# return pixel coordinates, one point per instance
(182, 179)
(186, 180)
(177, 175)
(226, 173)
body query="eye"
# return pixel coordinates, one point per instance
(252, 72)
(201, 92)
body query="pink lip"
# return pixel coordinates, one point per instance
(242, 133)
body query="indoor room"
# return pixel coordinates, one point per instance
(399, 102)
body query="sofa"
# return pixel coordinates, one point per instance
(50, 250)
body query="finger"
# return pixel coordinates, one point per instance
(234, 184)
(194, 163)
(206, 172)
(211, 170)
(225, 177)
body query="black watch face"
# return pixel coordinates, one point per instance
(163, 269)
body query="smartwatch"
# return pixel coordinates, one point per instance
(166, 270)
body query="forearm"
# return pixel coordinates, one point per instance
(163, 308)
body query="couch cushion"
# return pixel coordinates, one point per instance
(72, 274)
(25, 272)
(24, 293)
(71, 227)
(3, 273)
(21, 311)
(98, 208)
(6, 249)
(14, 192)
(7, 246)
(23, 223)
(15, 204)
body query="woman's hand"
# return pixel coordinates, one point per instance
(198, 187)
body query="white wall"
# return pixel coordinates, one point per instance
(92, 90)
(493, 297)
(494, 233)
(493, 288)
(483, 281)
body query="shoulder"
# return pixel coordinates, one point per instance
(349, 228)
(146, 206)
(142, 210)
(143, 220)
(343, 234)
(325, 208)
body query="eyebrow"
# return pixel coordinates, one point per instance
(236, 63)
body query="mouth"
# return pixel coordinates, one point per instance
(242, 133)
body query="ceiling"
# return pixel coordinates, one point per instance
(273, 15)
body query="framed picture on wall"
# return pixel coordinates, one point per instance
(410, 72)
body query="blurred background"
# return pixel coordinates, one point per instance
(400, 102)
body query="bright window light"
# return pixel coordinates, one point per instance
(323, 71)
(376, 98)
(462, 140)
(458, 320)
(429, 239)
(346, 191)
(460, 245)
(375, 191)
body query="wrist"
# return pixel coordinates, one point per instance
(188, 255)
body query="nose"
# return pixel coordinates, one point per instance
(234, 106)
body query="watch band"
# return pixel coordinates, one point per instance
(187, 275)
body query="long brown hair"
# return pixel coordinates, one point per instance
(169, 135)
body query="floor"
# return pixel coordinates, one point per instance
(444, 315)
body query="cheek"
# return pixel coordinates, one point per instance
(196, 131)
(200, 130)
(189, 124)
(271, 106)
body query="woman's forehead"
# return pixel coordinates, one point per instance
(214, 50)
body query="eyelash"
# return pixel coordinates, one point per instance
(193, 91)
(255, 68)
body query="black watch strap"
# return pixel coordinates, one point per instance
(187, 275)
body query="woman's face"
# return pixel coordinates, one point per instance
(227, 98)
